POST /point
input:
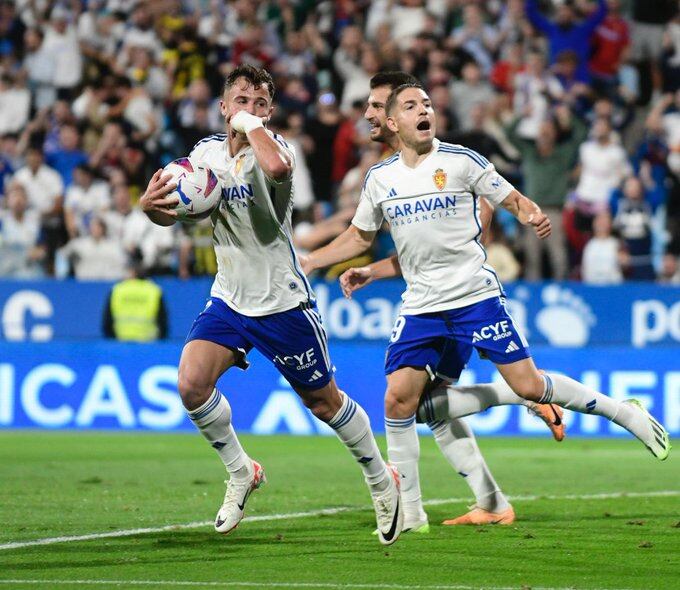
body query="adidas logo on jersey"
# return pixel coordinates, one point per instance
(392, 193)
(315, 376)
(496, 331)
(512, 347)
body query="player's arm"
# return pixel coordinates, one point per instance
(155, 202)
(527, 212)
(349, 244)
(354, 279)
(275, 161)
(485, 215)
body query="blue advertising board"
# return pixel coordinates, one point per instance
(568, 315)
(109, 385)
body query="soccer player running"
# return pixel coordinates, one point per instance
(261, 299)
(429, 194)
(442, 405)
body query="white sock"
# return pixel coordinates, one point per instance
(403, 451)
(570, 394)
(213, 419)
(457, 443)
(448, 402)
(353, 428)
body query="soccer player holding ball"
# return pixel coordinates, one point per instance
(261, 299)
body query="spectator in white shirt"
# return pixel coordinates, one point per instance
(95, 257)
(43, 184)
(603, 256)
(45, 191)
(604, 166)
(39, 64)
(15, 104)
(87, 196)
(61, 42)
(20, 248)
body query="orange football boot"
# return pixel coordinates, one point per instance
(552, 416)
(479, 516)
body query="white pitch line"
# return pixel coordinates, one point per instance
(321, 512)
(348, 586)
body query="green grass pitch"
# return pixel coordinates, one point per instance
(58, 484)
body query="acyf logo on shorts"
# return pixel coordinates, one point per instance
(496, 331)
(301, 361)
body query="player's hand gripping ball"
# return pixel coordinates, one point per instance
(198, 189)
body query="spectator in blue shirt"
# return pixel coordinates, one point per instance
(68, 157)
(567, 33)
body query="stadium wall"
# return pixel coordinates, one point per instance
(56, 372)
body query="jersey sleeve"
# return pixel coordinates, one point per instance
(369, 215)
(484, 180)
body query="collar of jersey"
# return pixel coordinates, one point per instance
(226, 148)
(435, 149)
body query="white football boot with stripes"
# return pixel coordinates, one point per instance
(389, 512)
(637, 420)
(232, 509)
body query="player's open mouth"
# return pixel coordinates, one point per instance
(423, 125)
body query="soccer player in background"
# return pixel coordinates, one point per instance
(261, 299)
(444, 404)
(429, 193)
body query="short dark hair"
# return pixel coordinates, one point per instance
(392, 99)
(392, 79)
(257, 77)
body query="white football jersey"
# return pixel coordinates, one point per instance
(433, 214)
(258, 272)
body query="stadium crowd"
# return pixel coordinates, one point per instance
(577, 102)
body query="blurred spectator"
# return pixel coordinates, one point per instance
(611, 43)
(196, 251)
(94, 256)
(86, 197)
(45, 191)
(499, 255)
(670, 270)
(603, 256)
(535, 91)
(15, 104)
(546, 167)
(61, 41)
(633, 222)
(476, 38)
(347, 142)
(6, 170)
(664, 119)
(603, 166)
(566, 32)
(39, 64)
(65, 159)
(135, 309)
(468, 92)
(20, 248)
(322, 131)
(670, 58)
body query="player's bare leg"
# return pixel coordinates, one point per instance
(403, 447)
(201, 365)
(352, 426)
(527, 382)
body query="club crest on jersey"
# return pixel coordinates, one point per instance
(439, 178)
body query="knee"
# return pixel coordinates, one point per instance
(194, 388)
(400, 403)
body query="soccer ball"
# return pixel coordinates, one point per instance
(198, 189)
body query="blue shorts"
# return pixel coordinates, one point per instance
(294, 340)
(442, 342)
